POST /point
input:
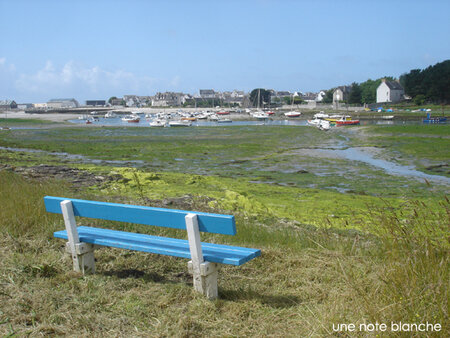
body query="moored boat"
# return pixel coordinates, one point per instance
(292, 114)
(158, 123)
(344, 122)
(131, 119)
(437, 119)
(180, 123)
(110, 114)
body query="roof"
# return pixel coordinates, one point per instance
(345, 89)
(206, 91)
(394, 85)
(6, 102)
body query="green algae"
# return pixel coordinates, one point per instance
(308, 206)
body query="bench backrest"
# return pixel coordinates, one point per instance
(170, 218)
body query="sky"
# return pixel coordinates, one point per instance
(97, 49)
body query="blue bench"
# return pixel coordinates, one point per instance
(204, 257)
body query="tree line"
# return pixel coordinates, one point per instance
(431, 84)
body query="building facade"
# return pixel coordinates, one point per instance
(63, 103)
(8, 104)
(390, 91)
(341, 93)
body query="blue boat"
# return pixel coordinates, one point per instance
(439, 119)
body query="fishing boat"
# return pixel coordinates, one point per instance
(224, 121)
(336, 117)
(180, 123)
(346, 122)
(292, 114)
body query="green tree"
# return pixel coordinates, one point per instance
(328, 98)
(369, 91)
(264, 97)
(355, 94)
(111, 98)
(433, 83)
(419, 99)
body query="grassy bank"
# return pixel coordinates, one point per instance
(307, 278)
(341, 241)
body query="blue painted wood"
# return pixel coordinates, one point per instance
(216, 253)
(170, 218)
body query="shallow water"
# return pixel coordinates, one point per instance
(355, 154)
(110, 122)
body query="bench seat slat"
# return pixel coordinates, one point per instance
(216, 253)
(171, 218)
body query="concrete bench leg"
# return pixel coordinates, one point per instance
(205, 280)
(83, 257)
(82, 253)
(205, 273)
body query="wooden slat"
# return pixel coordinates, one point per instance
(216, 253)
(213, 223)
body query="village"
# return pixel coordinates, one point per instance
(387, 92)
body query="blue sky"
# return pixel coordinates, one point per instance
(97, 49)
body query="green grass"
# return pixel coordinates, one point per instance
(378, 252)
(16, 122)
(306, 279)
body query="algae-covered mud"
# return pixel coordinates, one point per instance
(292, 172)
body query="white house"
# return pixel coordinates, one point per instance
(320, 96)
(390, 91)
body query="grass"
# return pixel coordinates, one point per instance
(375, 253)
(307, 278)
(18, 122)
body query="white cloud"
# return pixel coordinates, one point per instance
(77, 80)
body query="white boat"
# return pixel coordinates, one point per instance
(224, 121)
(213, 117)
(324, 125)
(133, 118)
(110, 115)
(260, 115)
(321, 115)
(158, 123)
(314, 122)
(202, 116)
(292, 114)
(387, 117)
(180, 123)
